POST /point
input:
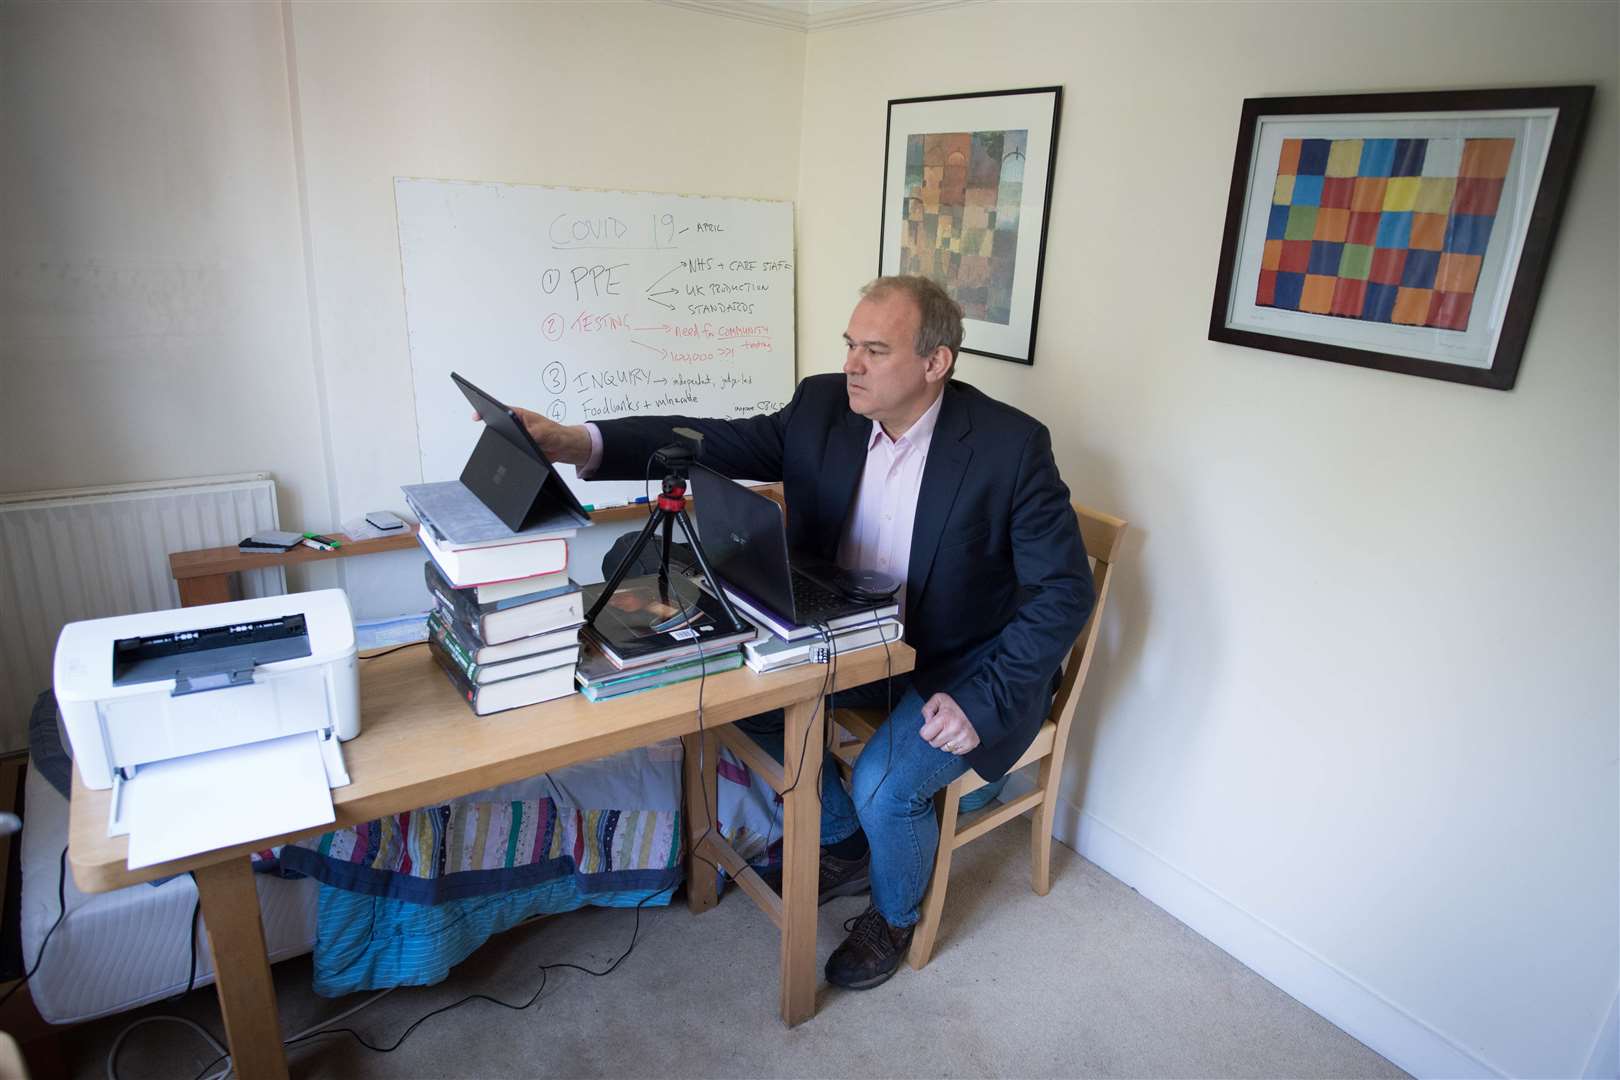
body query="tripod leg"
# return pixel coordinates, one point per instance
(663, 562)
(658, 515)
(703, 564)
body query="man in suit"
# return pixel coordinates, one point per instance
(893, 466)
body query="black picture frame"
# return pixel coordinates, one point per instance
(1463, 339)
(999, 285)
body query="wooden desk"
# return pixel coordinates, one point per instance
(420, 744)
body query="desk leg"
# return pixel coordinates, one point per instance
(213, 589)
(247, 997)
(702, 792)
(801, 858)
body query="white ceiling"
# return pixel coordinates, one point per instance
(809, 16)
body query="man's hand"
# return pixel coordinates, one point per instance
(946, 727)
(568, 445)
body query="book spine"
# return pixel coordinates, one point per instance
(456, 650)
(458, 678)
(510, 602)
(459, 604)
(472, 641)
(466, 636)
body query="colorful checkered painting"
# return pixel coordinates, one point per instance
(960, 216)
(1382, 230)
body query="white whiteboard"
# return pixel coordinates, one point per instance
(588, 305)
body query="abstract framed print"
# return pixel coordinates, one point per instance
(967, 189)
(1404, 232)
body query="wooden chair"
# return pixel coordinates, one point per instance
(1102, 533)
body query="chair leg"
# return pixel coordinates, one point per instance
(923, 938)
(1040, 832)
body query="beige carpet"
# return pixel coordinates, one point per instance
(1091, 980)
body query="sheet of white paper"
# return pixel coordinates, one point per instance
(226, 797)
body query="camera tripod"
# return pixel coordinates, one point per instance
(668, 510)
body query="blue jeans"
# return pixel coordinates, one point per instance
(891, 796)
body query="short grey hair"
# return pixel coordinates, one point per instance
(941, 322)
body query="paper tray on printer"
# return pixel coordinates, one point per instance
(172, 809)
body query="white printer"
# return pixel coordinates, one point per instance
(137, 690)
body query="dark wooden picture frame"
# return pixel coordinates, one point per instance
(1474, 335)
(997, 274)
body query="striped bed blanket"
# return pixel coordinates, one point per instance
(405, 898)
(473, 846)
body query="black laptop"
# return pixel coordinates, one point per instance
(745, 540)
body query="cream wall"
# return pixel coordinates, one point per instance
(637, 96)
(201, 262)
(151, 267)
(1359, 688)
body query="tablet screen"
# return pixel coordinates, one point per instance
(504, 422)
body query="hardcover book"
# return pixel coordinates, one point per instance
(528, 689)
(792, 631)
(494, 625)
(481, 674)
(599, 679)
(771, 653)
(481, 653)
(641, 626)
(488, 565)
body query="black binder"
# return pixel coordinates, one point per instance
(508, 472)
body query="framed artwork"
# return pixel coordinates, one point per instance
(1403, 232)
(967, 189)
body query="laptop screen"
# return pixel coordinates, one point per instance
(744, 538)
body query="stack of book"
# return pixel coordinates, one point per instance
(506, 620)
(783, 643)
(645, 638)
(770, 652)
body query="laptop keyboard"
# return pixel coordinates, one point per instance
(814, 602)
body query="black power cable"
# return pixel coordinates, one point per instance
(61, 906)
(395, 649)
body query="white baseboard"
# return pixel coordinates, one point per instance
(1603, 1063)
(1345, 1002)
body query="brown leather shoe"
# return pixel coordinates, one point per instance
(871, 953)
(839, 877)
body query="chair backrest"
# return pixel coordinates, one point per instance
(1102, 534)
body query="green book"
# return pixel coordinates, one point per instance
(599, 679)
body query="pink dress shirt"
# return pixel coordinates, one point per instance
(877, 535)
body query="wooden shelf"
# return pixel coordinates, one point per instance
(208, 562)
(204, 576)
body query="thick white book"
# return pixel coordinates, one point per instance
(492, 697)
(526, 586)
(773, 653)
(560, 638)
(502, 563)
(525, 620)
(524, 690)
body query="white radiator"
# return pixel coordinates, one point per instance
(86, 553)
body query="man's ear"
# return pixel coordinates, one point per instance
(938, 366)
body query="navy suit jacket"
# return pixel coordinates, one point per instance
(998, 585)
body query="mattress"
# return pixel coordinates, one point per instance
(123, 949)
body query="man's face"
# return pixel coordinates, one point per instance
(885, 378)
